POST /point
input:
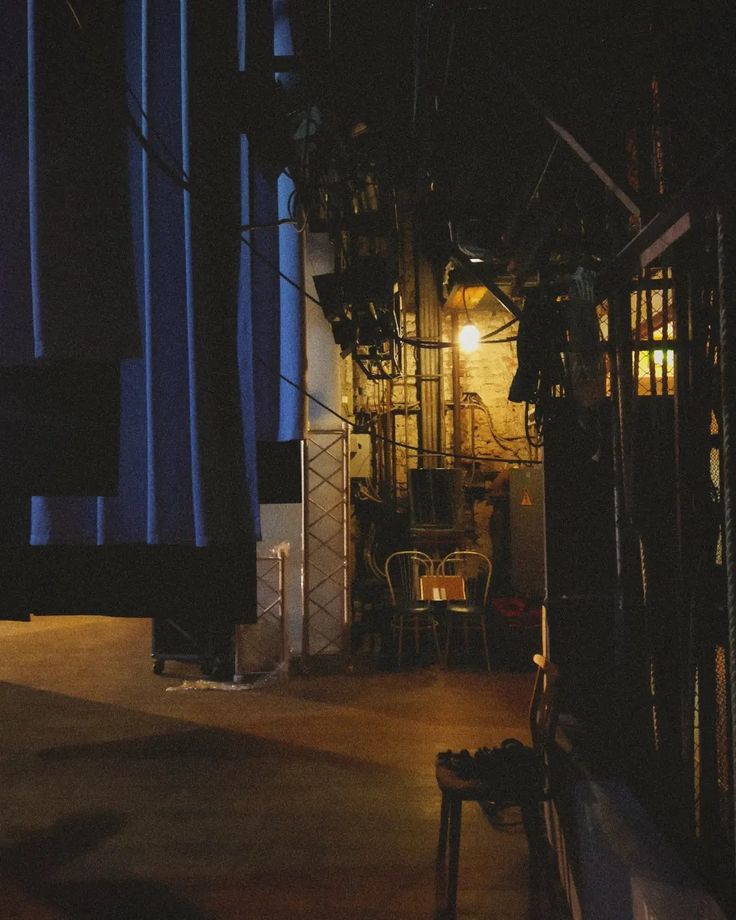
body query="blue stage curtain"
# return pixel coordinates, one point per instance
(184, 476)
(278, 313)
(124, 181)
(292, 352)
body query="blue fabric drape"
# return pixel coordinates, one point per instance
(278, 313)
(186, 471)
(124, 179)
(291, 357)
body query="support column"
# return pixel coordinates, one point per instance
(627, 640)
(457, 434)
(727, 365)
(429, 366)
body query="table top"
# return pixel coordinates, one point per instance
(441, 588)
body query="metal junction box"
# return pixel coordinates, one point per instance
(526, 516)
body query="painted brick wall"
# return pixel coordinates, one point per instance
(491, 425)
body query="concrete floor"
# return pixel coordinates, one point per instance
(309, 797)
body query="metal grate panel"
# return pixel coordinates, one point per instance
(723, 764)
(262, 647)
(326, 543)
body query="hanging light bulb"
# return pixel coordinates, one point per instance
(469, 337)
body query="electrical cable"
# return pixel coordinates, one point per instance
(503, 328)
(246, 228)
(536, 443)
(184, 182)
(473, 399)
(179, 176)
(420, 343)
(74, 14)
(412, 447)
(543, 174)
(415, 448)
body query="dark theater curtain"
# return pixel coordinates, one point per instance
(124, 182)
(278, 316)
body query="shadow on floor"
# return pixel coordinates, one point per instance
(29, 862)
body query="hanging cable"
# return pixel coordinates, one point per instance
(412, 447)
(421, 343)
(495, 332)
(184, 183)
(177, 174)
(74, 14)
(246, 228)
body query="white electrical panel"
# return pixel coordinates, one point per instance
(360, 456)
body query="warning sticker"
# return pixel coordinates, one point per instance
(526, 498)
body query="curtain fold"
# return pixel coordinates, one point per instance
(125, 179)
(278, 306)
(82, 293)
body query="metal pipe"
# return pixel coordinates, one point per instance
(620, 624)
(386, 485)
(305, 553)
(650, 346)
(684, 487)
(347, 606)
(282, 609)
(621, 340)
(627, 663)
(456, 413)
(429, 375)
(391, 423)
(726, 221)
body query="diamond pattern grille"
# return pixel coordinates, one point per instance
(723, 760)
(325, 529)
(262, 646)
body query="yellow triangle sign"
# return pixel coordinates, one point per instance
(526, 498)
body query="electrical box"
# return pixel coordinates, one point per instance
(526, 517)
(360, 456)
(436, 499)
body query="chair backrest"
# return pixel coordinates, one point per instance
(403, 570)
(543, 706)
(475, 568)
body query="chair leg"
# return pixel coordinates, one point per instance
(416, 635)
(442, 841)
(453, 869)
(437, 644)
(400, 629)
(447, 641)
(440, 878)
(485, 641)
(532, 820)
(447, 871)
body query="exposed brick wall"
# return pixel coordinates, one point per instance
(491, 425)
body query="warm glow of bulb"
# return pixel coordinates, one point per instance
(469, 338)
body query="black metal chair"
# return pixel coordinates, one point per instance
(470, 614)
(403, 571)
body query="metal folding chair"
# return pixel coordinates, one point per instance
(403, 571)
(470, 614)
